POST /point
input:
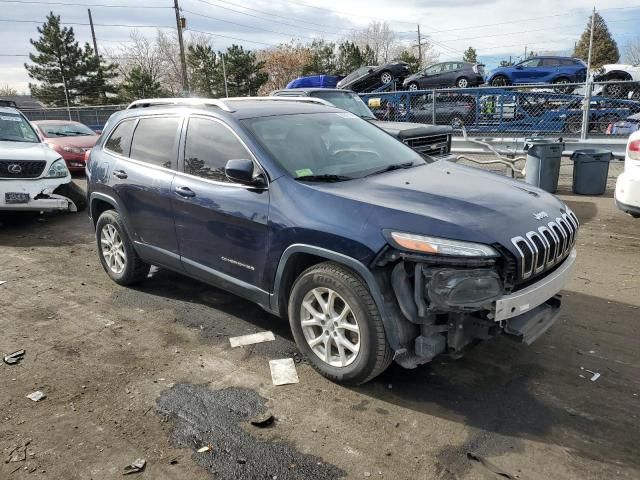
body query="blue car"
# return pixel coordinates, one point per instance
(372, 252)
(315, 81)
(559, 71)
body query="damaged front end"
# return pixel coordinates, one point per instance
(444, 304)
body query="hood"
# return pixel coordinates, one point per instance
(404, 130)
(82, 141)
(414, 76)
(447, 200)
(27, 151)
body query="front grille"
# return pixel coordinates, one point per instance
(434, 146)
(541, 249)
(21, 168)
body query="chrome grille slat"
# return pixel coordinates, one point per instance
(539, 250)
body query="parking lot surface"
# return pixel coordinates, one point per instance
(147, 372)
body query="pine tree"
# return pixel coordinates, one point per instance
(323, 59)
(605, 49)
(413, 61)
(65, 71)
(244, 72)
(206, 71)
(470, 55)
(139, 83)
(97, 84)
(349, 58)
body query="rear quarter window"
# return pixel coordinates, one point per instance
(155, 141)
(120, 140)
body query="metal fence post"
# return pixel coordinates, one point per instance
(433, 107)
(586, 110)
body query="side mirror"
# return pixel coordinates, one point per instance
(241, 171)
(518, 67)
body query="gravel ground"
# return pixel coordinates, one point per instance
(147, 373)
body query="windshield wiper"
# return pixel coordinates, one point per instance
(391, 168)
(324, 178)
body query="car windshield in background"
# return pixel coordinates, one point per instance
(346, 101)
(330, 146)
(65, 130)
(14, 128)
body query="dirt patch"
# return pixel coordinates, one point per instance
(204, 417)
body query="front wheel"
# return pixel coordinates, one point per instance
(462, 82)
(412, 87)
(337, 326)
(561, 85)
(500, 81)
(115, 249)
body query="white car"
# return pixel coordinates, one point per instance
(33, 177)
(628, 183)
(615, 73)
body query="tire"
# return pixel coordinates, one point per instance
(413, 86)
(74, 193)
(373, 353)
(133, 269)
(500, 81)
(573, 125)
(616, 90)
(560, 85)
(462, 82)
(386, 77)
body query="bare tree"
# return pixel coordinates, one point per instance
(7, 91)
(382, 40)
(283, 63)
(631, 52)
(139, 52)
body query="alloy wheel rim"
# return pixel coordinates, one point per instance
(413, 87)
(113, 249)
(462, 83)
(386, 78)
(330, 327)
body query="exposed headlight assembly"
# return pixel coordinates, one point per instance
(441, 246)
(58, 169)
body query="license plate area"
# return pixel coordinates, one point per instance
(16, 197)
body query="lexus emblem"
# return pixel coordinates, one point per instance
(540, 215)
(14, 168)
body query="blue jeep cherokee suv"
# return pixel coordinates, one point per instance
(372, 252)
(559, 71)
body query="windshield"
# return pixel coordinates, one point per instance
(71, 129)
(330, 146)
(14, 128)
(346, 101)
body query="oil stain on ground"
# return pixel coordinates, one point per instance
(203, 417)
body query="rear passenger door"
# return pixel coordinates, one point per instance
(221, 226)
(142, 178)
(550, 69)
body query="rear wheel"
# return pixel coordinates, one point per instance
(500, 81)
(336, 324)
(562, 85)
(616, 90)
(573, 124)
(386, 77)
(116, 252)
(412, 87)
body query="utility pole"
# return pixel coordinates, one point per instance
(419, 48)
(93, 33)
(224, 74)
(525, 52)
(588, 86)
(183, 60)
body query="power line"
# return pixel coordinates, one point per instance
(233, 38)
(77, 4)
(389, 20)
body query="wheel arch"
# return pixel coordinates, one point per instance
(616, 75)
(298, 257)
(100, 203)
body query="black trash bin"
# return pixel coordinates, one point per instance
(590, 171)
(543, 163)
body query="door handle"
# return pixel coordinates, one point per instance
(120, 174)
(185, 192)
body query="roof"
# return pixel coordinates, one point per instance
(312, 89)
(9, 110)
(23, 101)
(53, 122)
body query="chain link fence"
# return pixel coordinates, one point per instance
(581, 110)
(94, 117)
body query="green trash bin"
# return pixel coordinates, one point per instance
(543, 163)
(590, 171)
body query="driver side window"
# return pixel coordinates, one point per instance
(434, 69)
(530, 63)
(209, 146)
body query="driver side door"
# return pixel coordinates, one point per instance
(432, 76)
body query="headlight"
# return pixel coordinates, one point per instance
(73, 149)
(58, 169)
(442, 246)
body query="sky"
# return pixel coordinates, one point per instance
(497, 29)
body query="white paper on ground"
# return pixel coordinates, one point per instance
(36, 396)
(283, 371)
(251, 339)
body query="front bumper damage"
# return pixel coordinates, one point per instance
(445, 306)
(41, 196)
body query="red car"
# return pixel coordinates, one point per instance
(69, 139)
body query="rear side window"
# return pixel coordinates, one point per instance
(155, 140)
(550, 62)
(209, 146)
(120, 140)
